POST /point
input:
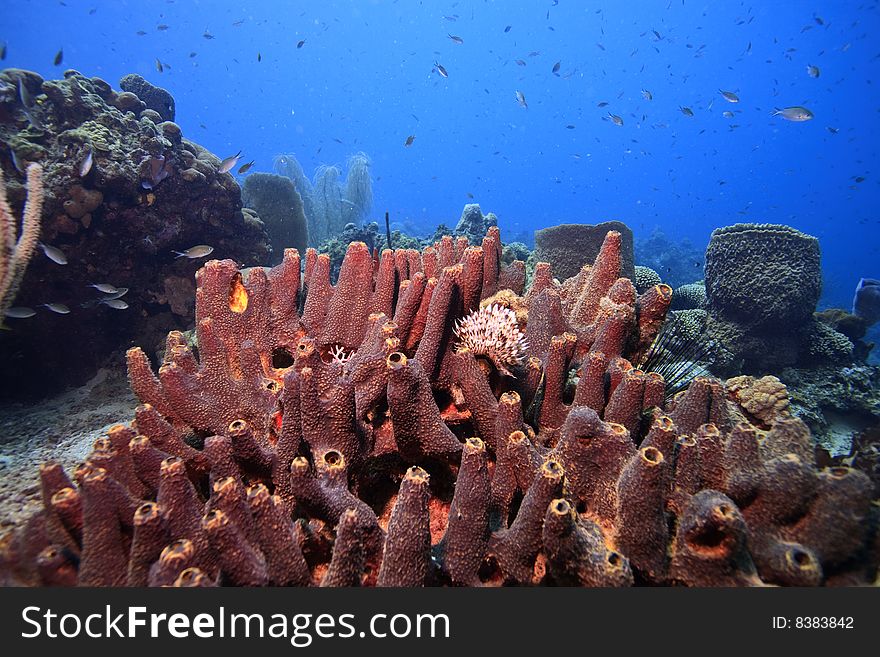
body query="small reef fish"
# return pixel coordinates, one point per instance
(244, 168)
(647, 95)
(160, 169)
(229, 162)
(795, 113)
(813, 71)
(116, 304)
(441, 70)
(121, 292)
(866, 303)
(106, 288)
(833, 131)
(208, 35)
(555, 69)
(86, 164)
(602, 104)
(59, 57)
(521, 99)
(455, 39)
(507, 29)
(259, 57)
(300, 44)
(27, 103)
(687, 111)
(54, 254)
(729, 96)
(20, 312)
(199, 251)
(59, 308)
(159, 65)
(616, 120)
(727, 114)
(162, 27)
(409, 141)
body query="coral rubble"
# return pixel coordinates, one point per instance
(342, 435)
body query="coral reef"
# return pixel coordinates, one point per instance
(358, 442)
(837, 403)
(280, 208)
(473, 224)
(155, 98)
(677, 262)
(148, 192)
(567, 247)
(689, 297)
(645, 278)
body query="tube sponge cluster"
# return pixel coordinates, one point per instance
(268, 459)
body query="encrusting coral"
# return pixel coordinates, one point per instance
(342, 435)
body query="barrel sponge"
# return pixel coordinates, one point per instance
(645, 279)
(689, 297)
(568, 247)
(765, 276)
(281, 209)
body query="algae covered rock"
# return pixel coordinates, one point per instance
(155, 98)
(280, 207)
(568, 247)
(762, 275)
(117, 222)
(473, 224)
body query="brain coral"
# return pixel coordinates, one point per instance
(689, 297)
(645, 278)
(765, 276)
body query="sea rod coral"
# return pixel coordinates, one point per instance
(265, 458)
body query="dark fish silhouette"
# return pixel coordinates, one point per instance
(866, 303)
(59, 57)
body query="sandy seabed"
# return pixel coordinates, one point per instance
(60, 428)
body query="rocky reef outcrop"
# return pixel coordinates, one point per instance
(343, 435)
(124, 190)
(280, 208)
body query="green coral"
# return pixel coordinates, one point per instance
(686, 297)
(645, 279)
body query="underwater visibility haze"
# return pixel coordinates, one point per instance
(651, 223)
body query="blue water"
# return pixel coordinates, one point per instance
(364, 80)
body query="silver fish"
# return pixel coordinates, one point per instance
(521, 99)
(86, 165)
(813, 71)
(647, 95)
(106, 288)
(116, 304)
(616, 120)
(199, 251)
(441, 70)
(729, 96)
(59, 308)
(120, 292)
(795, 113)
(54, 254)
(20, 312)
(727, 114)
(229, 162)
(687, 111)
(27, 103)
